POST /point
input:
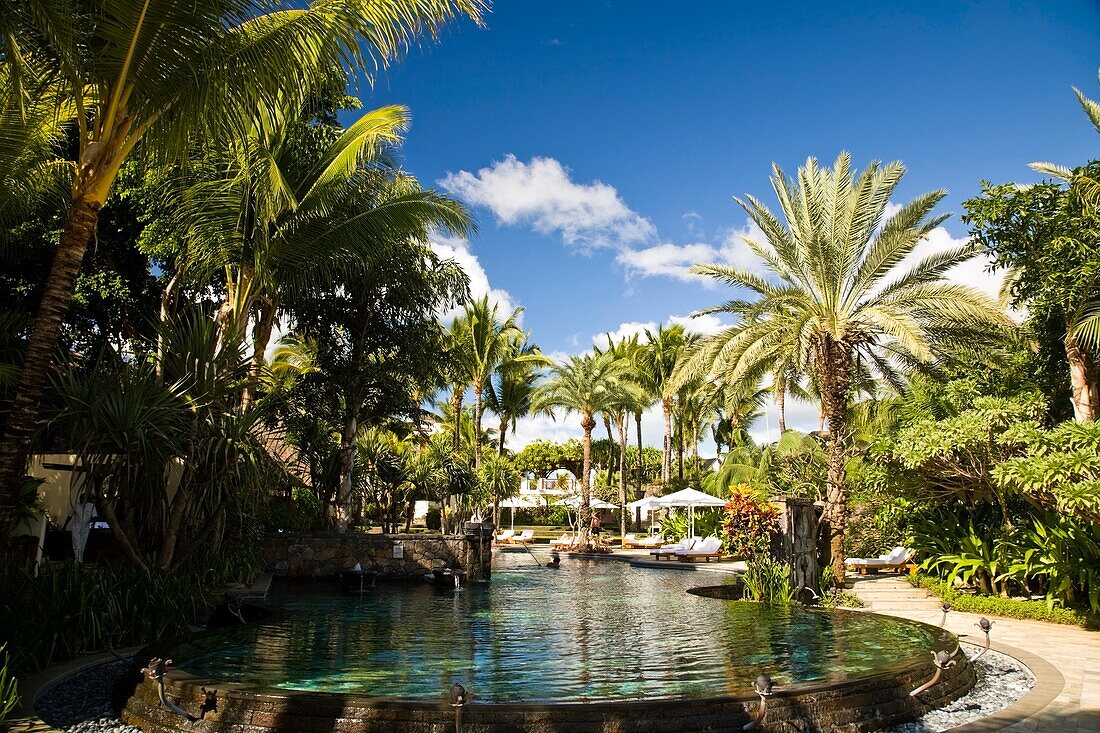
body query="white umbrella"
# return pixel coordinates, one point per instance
(574, 502)
(517, 502)
(644, 505)
(689, 498)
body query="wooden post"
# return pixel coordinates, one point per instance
(796, 544)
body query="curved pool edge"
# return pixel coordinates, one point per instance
(865, 703)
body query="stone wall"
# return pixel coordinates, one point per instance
(323, 555)
(848, 707)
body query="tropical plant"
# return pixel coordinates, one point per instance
(837, 294)
(768, 581)
(588, 385)
(630, 399)
(9, 685)
(498, 480)
(150, 79)
(1085, 184)
(656, 361)
(749, 524)
(511, 394)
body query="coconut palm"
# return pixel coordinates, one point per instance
(588, 385)
(629, 399)
(510, 395)
(490, 341)
(836, 291)
(657, 361)
(151, 77)
(1085, 186)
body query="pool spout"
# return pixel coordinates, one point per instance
(943, 661)
(763, 687)
(985, 625)
(156, 669)
(458, 699)
(945, 607)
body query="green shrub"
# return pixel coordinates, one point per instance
(1007, 607)
(433, 520)
(300, 512)
(9, 687)
(749, 523)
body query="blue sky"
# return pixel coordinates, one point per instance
(599, 143)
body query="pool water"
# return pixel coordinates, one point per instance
(591, 630)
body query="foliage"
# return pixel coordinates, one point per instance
(9, 685)
(69, 610)
(674, 525)
(297, 512)
(966, 602)
(540, 457)
(879, 518)
(748, 524)
(768, 581)
(1059, 468)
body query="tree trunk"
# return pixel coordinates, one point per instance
(1083, 387)
(175, 521)
(478, 389)
(666, 458)
(611, 462)
(456, 415)
(781, 407)
(695, 453)
(261, 335)
(834, 363)
(503, 430)
(680, 451)
(641, 458)
(584, 513)
(38, 358)
(621, 425)
(347, 465)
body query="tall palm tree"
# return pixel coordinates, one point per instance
(629, 399)
(657, 361)
(511, 394)
(1084, 185)
(155, 76)
(588, 385)
(836, 291)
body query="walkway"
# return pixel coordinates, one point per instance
(1071, 705)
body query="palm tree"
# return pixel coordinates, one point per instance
(658, 360)
(155, 76)
(1084, 185)
(630, 398)
(490, 341)
(836, 292)
(511, 395)
(588, 384)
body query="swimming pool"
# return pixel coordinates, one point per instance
(593, 630)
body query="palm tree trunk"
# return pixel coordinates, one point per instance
(680, 451)
(781, 406)
(478, 389)
(347, 465)
(620, 423)
(584, 513)
(611, 462)
(456, 415)
(834, 362)
(38, 358)
(261, 335)
(503, 430)
(666, 459)
(1083, 387)
(641, 460)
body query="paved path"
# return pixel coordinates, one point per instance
(1072, 651)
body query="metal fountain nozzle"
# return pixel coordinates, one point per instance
(458, 694)
(764, 687)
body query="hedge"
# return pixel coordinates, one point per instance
(961, 600)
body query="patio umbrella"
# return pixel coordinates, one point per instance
(517, 502)
(645, 505)
(689, 498)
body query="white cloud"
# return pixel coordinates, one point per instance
(705, 325)
(675, 260)
(458, 249)
(540, 193)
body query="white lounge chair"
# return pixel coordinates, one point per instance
(670, 550)
(709, 548)
(525, 537)
(504, 536)
(900, 558)
(566, 540)
(632, 540)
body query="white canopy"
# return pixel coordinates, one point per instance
(690, 498)
(518, 502)
(574, 502)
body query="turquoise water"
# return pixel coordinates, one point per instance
(593, 629)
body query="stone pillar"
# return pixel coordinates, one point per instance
(796, 543)
(479, 551)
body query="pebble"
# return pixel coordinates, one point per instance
(1001, 681)
(80, 704)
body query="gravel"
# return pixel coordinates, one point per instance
(80, 704)
(1001, 681)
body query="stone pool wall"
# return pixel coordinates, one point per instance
(321, 555)
(846, 707)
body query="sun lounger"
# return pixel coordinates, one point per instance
(525, 537)
(670, 550)
(708, 549)
(566, 540)
(900, 558)
(632, 540)
(502, 538)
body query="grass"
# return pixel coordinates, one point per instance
(1033, 610)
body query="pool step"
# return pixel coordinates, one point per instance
(891, 593)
